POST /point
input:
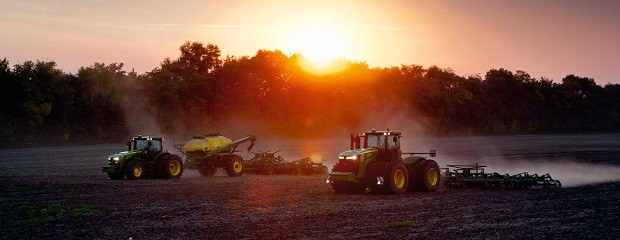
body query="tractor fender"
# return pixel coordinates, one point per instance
(411, 160)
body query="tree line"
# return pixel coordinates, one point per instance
(201, 91)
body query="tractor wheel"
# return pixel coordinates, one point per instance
(397, 180)
(234, 166)
(116, 176)
(207, 171)
(348, 187)
(170, 166)
(395, 177)
(375, 170)
(426, 176)
(135, 170)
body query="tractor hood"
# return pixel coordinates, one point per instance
(355, 152)
(124, 154)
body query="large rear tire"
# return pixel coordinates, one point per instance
(348, 187)
(134, 169)
(234, 166)
(426, 176)
(170, 166)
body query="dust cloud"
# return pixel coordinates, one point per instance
(569, 172)
(139, 115)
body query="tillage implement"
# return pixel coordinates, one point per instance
(267, 163)
(473, 176)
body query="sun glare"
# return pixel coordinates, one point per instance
(321, 41)
(320, 45)
(322, 67)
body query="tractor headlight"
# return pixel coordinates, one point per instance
(351, 157)
(114, 160)
(380, 181)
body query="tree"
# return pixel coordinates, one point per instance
(98, 105)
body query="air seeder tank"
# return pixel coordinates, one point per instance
(206, 144)
(212, 151)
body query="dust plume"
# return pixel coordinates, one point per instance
(570, 173)
(140, 117)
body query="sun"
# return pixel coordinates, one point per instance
(321, 41)
(320, 45)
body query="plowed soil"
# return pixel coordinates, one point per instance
(60, 193)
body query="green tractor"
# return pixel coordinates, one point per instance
(379, 166)
(144, 158)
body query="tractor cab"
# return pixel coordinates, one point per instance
(386, 142)
(149, 144)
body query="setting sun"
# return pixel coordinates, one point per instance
(321, 40)
(320, 45)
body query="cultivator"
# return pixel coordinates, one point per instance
(267, 163)
(473, 176)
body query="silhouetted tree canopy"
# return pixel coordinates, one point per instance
(200, 91)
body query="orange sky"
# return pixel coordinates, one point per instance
(543, 38)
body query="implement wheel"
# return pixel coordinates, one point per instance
(348, 187)
(170, 166)
(426, 176)
(234, 166)
(135, 170)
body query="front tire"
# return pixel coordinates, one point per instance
(398, 179)
(235, 166)
(135, 170)
(395, 177)
(375, 170)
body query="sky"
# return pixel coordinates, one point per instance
(548, 39)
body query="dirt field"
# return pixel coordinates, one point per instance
(61, 193)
